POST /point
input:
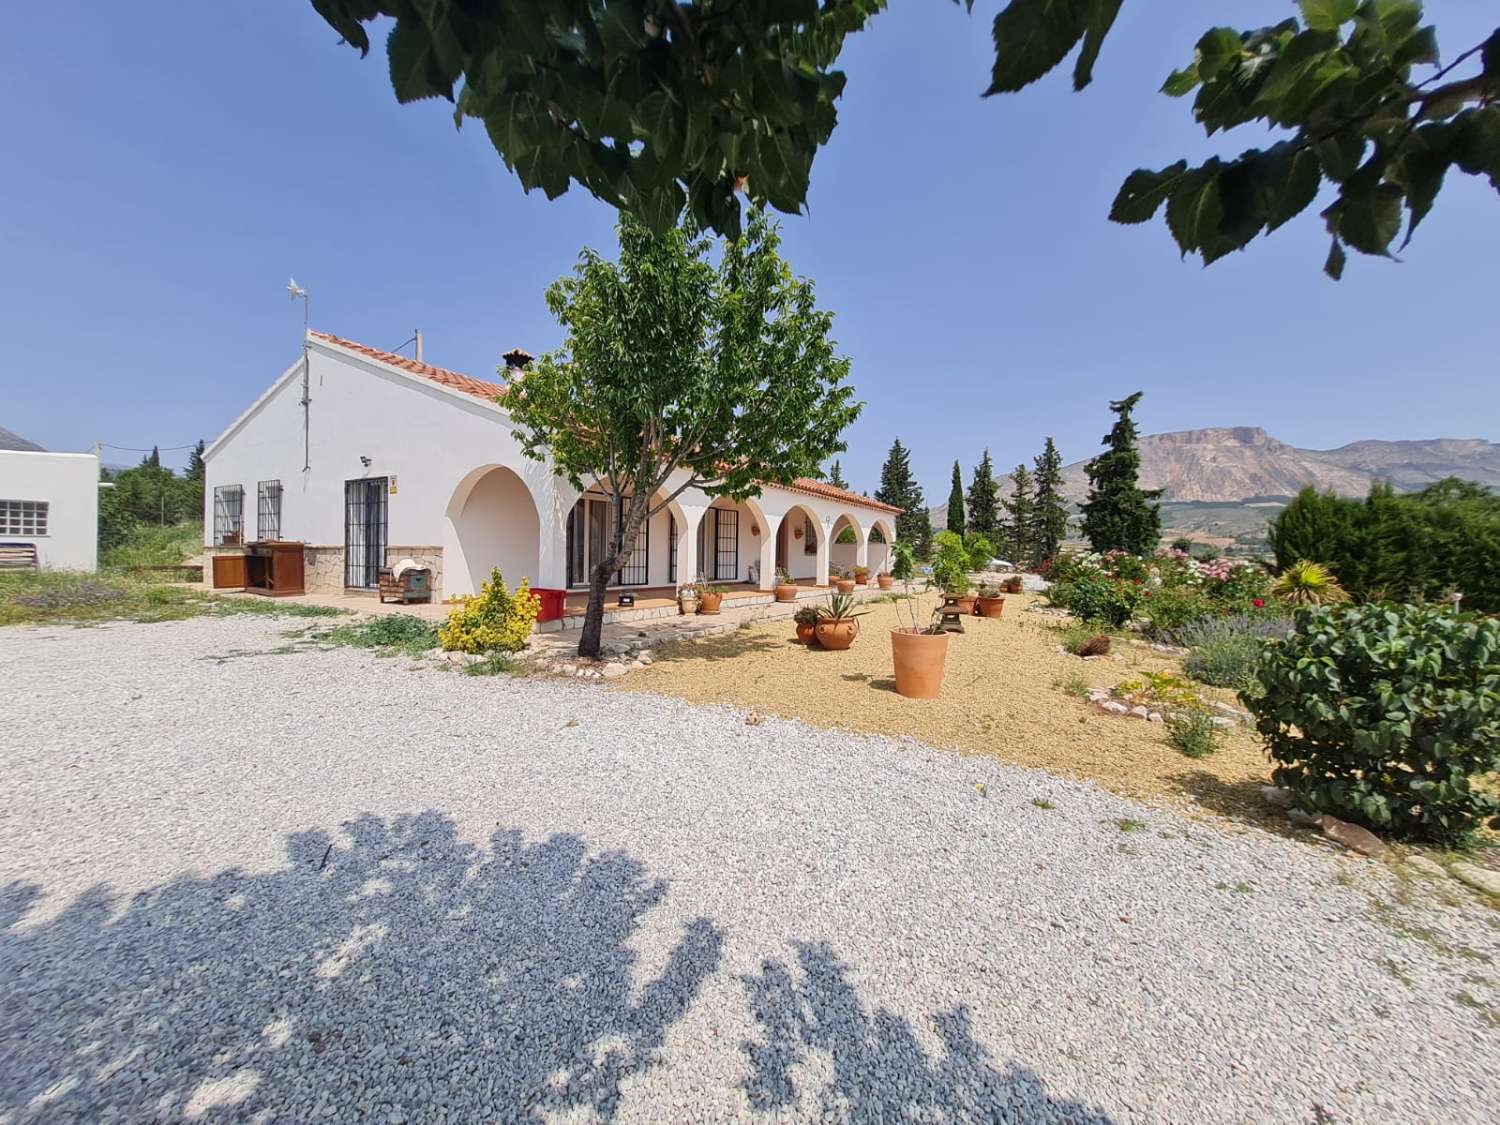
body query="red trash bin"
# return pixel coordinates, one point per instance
(554, 603)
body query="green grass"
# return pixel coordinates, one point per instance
(1042, 803)
(1073, 684)
(153, 545)
(1193, 734)
(391, 634)
(1126, 824)
(50, 597)
(495, 664)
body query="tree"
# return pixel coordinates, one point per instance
(1021, 508)
(723, 375)
(1119, 515)
(956, 502)
(836, 475)
(984, 500)
(195, 467)
(152, 460)
(899, 488)
(1050, 517)
(657, 105)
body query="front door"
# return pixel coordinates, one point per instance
(364, 531)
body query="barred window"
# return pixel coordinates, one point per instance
(23, 517)
(268, 510)
(229, 506)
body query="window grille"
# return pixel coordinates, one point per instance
(268, 509)
(23, 517)
(727, 543)
(229, 507)
(637, 566)
(588, 531)
(671, 548)
(809, 536)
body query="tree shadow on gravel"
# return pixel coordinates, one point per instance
(386, 978)
(873, 1068)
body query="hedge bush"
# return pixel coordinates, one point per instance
(493, 621)
(1386, 715)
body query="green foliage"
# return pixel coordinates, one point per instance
(672, 363)
(388, 634)
(956, 502)
(846, 536)
(656, 107)
(1389, 716)
(979, 549)
(148, 493)
(1119, 515)
(950, 564)
(1308, 583)
(903, 562)
(1097, 597)
(1225, 650)
(899, 488)
(196, 469)
(1021, 512)
(153, 545)
(840, 607)
(984, 501)
(836, 475)
(1192, 733)
(1422, 546)
(1073, 684)
(494, 620)
(495, 664)
(1172, 607)
(1049, 524)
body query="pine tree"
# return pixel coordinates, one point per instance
(1050, 518)
(899, 488)
(195, 467)
(984, 501)
(152, 460)
(1119, 515)
(1021, 508)
(956, 502)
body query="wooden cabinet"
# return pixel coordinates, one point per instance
(229, 572)
(274, 568)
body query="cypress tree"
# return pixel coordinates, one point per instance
(1021, 508)
(152, 460)
(195, 467)
(899, 488)
(1119, 515)
(956, 502)
(1050, 519)
(984, 501)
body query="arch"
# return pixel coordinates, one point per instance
(791, 542)
(733, 551)
(675, 562)
(851, 552)
(880, 545)
(491, 521)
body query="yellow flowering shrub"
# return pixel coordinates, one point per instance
(494, 620)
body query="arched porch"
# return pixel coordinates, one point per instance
(882, 535)
(491, 521)
(847, 547)
(802, 547)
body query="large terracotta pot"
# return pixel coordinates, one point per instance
(805, 634)
(885, 581)
(709, 603)
(787, 592)
(844, 585)
(966, 603)
(990, 607)
(836, 633)
(919, 659)
(861, 580)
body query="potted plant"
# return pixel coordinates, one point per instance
(990, 603)
(884, 580)
(1013, 584)
(837, 623)
(920, 651)
(806, 619)
(844, 582)
(687, 599)
(710, 595)
(950, 570)
(786, 589)
(861, 576)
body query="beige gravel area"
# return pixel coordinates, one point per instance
(1002, 695)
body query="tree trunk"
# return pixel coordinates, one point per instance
(593, 617)
(623, 529)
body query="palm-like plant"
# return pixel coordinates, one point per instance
(1308, 583)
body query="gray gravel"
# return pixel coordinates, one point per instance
(325, 886)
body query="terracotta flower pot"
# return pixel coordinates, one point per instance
(786, 592)
(836, 633)
(966, 603)
(844, 585)
(886, 581)
(805, 634)
(709, 603)
(919, 660)
(858, 581)
(990, 607)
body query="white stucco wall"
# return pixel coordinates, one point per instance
(443, 446)
(69, 484)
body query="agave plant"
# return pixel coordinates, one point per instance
(1308, 583)
(840, 607)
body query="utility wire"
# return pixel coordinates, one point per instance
(158, 448)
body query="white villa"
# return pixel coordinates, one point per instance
(367, 457)
(49, 506)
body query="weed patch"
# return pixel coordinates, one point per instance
(391, 634)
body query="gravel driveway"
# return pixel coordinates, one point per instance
(325, 886)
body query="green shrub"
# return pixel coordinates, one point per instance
(496, 620)
(950, 565)
(1384, 715)
(1098, 597)
(148, 544)
(1225, 649)
(1172, 607)
(1192, 733)
(388, 634)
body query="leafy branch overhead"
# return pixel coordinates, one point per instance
(657, 107)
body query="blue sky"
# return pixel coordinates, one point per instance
(170, 164)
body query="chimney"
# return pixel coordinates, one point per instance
(419, 345)
(517, 359)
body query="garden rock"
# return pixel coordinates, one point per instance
(1277, 797)
(1352, 836)
(1481, 878)
(614, 671)
(1302, 818)
(1428, 867)
(1114, 707)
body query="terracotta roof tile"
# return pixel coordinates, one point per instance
(479, 388)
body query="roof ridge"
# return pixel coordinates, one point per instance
(454, 380)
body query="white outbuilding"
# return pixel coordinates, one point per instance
(49, 506)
